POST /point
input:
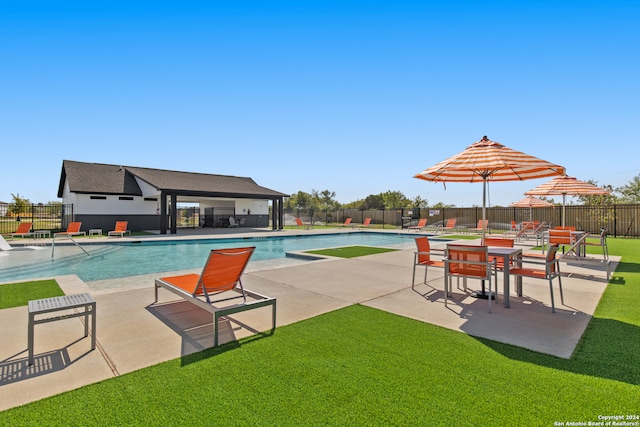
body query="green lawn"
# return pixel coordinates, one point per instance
(17, 294)
(361, 366)
(350, 251)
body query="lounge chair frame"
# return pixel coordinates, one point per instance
(203, 299)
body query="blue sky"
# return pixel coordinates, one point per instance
(351, 96)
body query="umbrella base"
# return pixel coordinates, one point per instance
(483, 295)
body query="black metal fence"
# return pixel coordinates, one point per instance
(619, 220)
(43, 217)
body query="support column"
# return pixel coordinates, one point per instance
(174, 214)
(163, 213)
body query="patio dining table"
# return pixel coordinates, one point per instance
(507, 254)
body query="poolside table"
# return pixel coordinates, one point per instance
(66, 302)
(506, 254)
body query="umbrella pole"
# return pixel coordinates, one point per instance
(564, 203)
(483, 293)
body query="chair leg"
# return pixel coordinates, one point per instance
(560, 286)
(413, 279)
(553, 306)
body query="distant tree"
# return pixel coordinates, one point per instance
(630, 193)
(325, 200)
(18, 205)
(373, 201)
(395, 200)
(419, 202)
(298, 201)
(442, 205)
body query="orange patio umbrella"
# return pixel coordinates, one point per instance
(488, 160)
(566, 185)
(531, 202)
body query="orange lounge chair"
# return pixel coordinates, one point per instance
(24, 229)
(220, 279)
(480, 227)
(367, 222)
(423, 258)
(347, 222)
(422, 223)
(299, 223)
(450, 225)
(73, 229)
(121, 229)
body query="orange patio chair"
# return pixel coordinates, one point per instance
(450, 225)
(24, 229)
(422, 258)
(219, 283)
(502, 242)
(466, 261)
(367, 222)
(601, 241)
(120, 229)
(299, 223)
(73, 229)
(422, 223)
(347, 222)
(482, 225)
(550, 271)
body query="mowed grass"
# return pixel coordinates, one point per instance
(350, 251)
(17, 294)
(362, 366)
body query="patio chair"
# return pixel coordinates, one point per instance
(24, 229)
(73, 229)
(550, 271)
(450, 225)
(366, 223)
(347, 222)
(232, 222)
(299, 223)
(120, 229)
(480, 226)
(422, 258)
(560, 237)
(601, 241)
(466, 261)
(422, 223)
(502, 242)
(217, 285)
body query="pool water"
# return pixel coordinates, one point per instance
(115, 260)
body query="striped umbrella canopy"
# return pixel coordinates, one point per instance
(566, 186)
(531, 202)
(488, 160)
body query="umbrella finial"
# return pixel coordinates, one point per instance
(484, 138)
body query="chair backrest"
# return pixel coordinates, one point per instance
(23, 228)
(423, 245)
(483, 223)
(468, 261)
(422, 222)
(299, 222)
(560, 237)
(367, 221)
(121, 225)
(347, 221)
(564, 227)
(514, 226)
(223, 269)
(232, 221)
(74, 227)
(497, 241)
(551, 256)
(451, 222)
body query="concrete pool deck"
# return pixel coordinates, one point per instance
(133, 333)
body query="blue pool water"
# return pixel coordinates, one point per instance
(115, 260)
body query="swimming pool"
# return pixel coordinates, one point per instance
(114, 260)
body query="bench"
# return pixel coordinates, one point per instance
(55, 304)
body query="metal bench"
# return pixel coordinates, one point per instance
(67, 302)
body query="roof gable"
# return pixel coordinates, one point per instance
(113, 179)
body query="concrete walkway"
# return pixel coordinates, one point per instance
(134, 333)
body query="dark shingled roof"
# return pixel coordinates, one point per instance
(96, 178)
